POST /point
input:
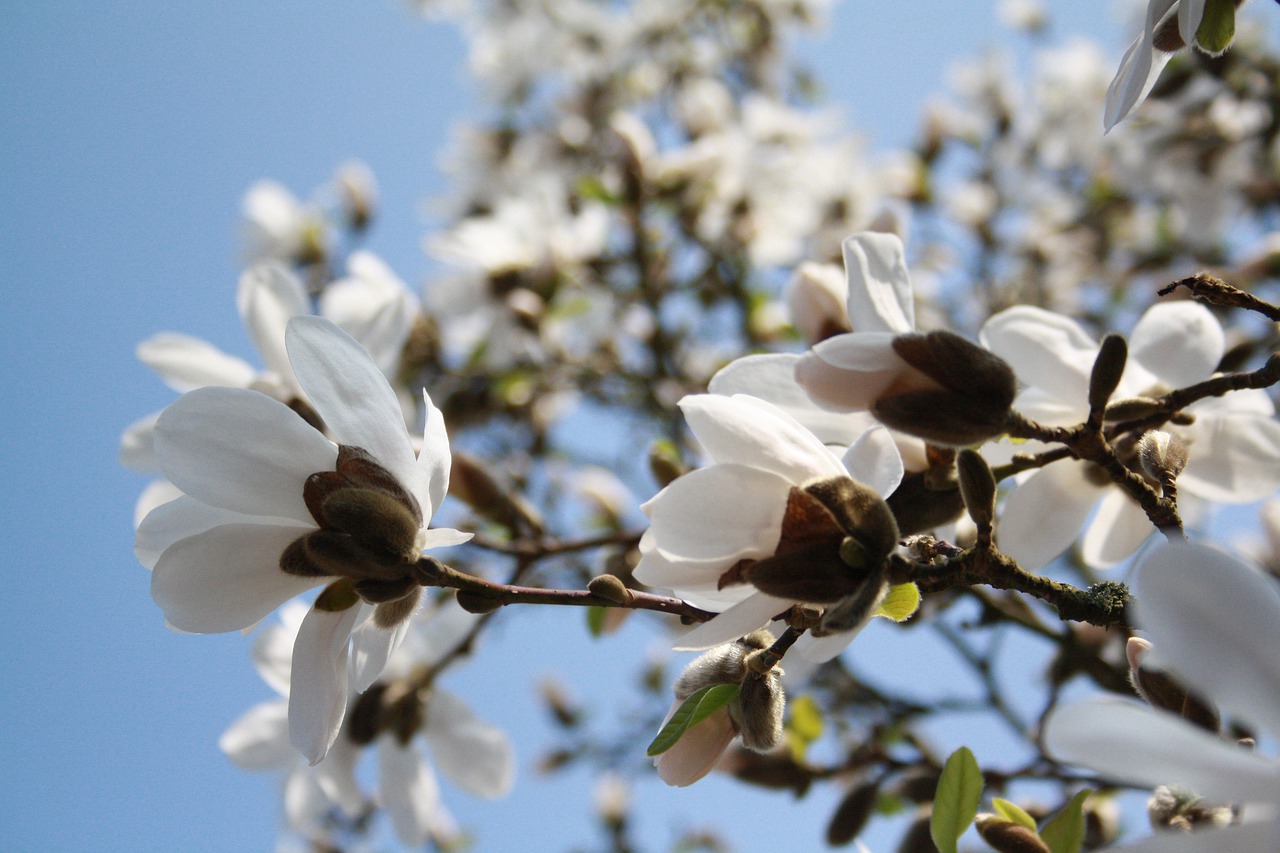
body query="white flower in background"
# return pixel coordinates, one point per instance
(709, 521)
(1233, 443)
(276, 226)
(373, 305)
(1215, 621)
(471, 754)
(265, 516)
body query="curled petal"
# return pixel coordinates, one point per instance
(269, 294)
(880, 298)
(434, 459)
(874, 461)
(318, 685)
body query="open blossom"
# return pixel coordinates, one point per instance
(1215, 621)
(1233, 444)
(762, 527)
(272, 508)
(471, 754)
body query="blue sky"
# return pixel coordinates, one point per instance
(131, 131)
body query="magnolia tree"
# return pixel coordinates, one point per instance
(958, 386)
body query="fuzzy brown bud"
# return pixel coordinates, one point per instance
(1162, 456)
(1131, 408)
(1108, 367)
(917, 505)
(1005, 836)
(853, 813)
(762, 703)
(977, 487)
(477, 602)
(610, 588)
(919, 836)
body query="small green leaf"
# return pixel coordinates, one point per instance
(804, 725)
(1217, 27)
(956, 803)
(702, 704)
(902, 601)
(595, 620)
(1013, 812)
(593, 189)
(1064, 832)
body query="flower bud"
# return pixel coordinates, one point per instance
(390, 614)
(1160, 690)
(776, 770)
(760, 705)
(977, 487)
(1162, 455)
(1174, 807)
(919, 836)
(1108, 367)
(472, 483)
(721, 665)
(816, 297)
(853, 813)
(977, 390)
(918, 506)
(1005, 836)
(1131, 408)
(477, 602)
(610, 588)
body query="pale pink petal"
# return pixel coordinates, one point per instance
(410, 794)
(1047, 350)
(751, 613)
(1216, 621)
(268, 295)
(1233, 458)
(874, 461)
(1116, 531)
(353, 398)
(1044, 514)
(697, 751)
(1132, 742)
(186, 363)
(1181, 343)
(371, 648)
(724, 512)
(750, 432)
(318, 686)
(772, 378)
(226, 578)
(435, 458)
(242, 451)
(472, 754)
(259, 740)
(880, 298)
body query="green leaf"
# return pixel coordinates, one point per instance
(1013, 812)
(593, 189)
(1064, 832)
(702, 704)
(956, 803)
(595, 620)
(1217, 27)
(804, 725)
(902, 601)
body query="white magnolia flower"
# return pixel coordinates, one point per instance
(709, 520)
(257, 479)
(1215, 621)
(473, 755)
(1234, 442)
(1143, 61)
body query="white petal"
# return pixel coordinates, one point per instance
(880, 298)
(1047, 350)
(874, 461)
(850, 372)
(371, 648)
(697, 751)
(373, 306)
(823, 649)
(696, 581)
(748, 431)
(1189, 14)
(156, 494)
(184, 516)
(305, 805)
(409, 792)
(353, 398)
(751, 613)
(1179, 342)
(472, 754)
(1043, 515)
(242, 451)
(336, 776)
(772, 378)
(318, 687)
(1233, 458)
(442, 537)
(272, 651)
(1215, 620)
(1132, 742)
(1248, 838)
(259, 740)
(434, 459)
(226, 578)
(1116, 531)
(186, 363)
(724, 512)
(137, 445)
(268, 295)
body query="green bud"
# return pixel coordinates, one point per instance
(977, 487)
(853, 813)
(337, 597)
(1108, 367)
(1005, 836)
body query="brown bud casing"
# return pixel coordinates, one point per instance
(1108, 367)
(761, 703)
(918, 506)
(977, 487)
(477, 602)
(1005, 836)
(853, 813)
(610, 588)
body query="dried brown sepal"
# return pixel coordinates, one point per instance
(813, 573)
(361, 468)
(390, 614)
(860, 512)
(317, 487)
(917, 506)
(295, 561)
(375, 520)
(762, 704)
(1005, 836)
(337, 597)
(852, 814)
